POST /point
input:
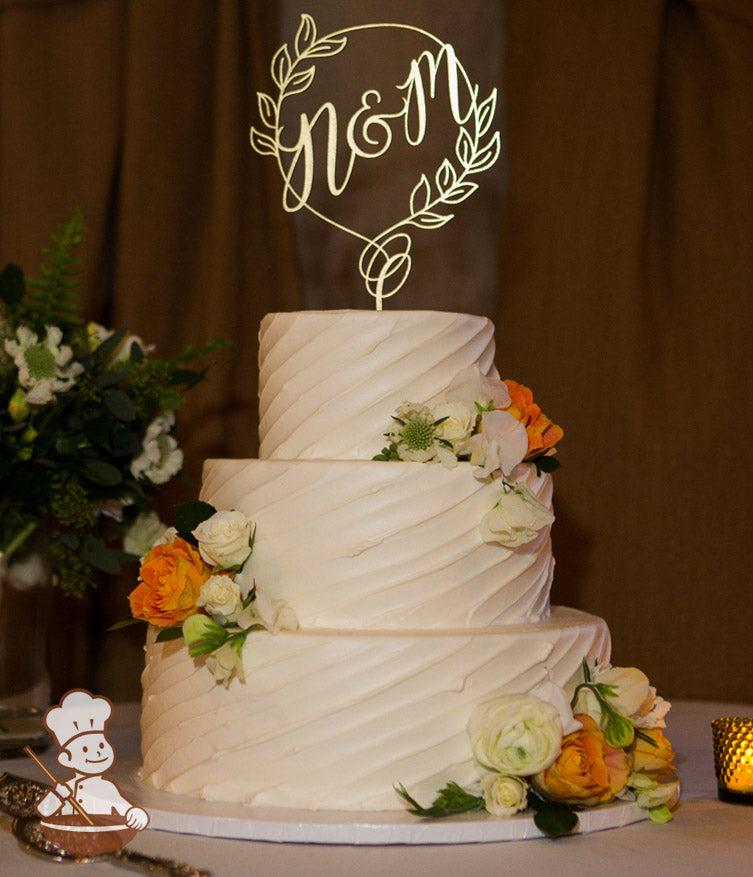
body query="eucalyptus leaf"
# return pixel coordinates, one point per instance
(103, 558)
(102, 472)
(108, 347)
(556, 820)
(119, 404)
(546, 464)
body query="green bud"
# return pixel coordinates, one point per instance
(200, 627)
(18, 408)
(660, 815)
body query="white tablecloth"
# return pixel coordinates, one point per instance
(705, 837)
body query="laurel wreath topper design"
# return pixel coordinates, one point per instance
(385, 260)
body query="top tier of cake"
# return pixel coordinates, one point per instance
(329, 381)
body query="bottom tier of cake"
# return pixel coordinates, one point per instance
(333, 720)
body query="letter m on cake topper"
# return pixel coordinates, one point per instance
(385, 260)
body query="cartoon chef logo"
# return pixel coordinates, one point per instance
(86, 808)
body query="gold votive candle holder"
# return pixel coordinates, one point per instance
(733, 759)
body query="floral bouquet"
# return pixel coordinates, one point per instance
(86, 422)
(192, 585)
(556, 751)
(497, 427)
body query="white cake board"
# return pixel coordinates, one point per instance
(184, 815)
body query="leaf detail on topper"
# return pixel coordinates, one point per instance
(385, 261)
(306, 34)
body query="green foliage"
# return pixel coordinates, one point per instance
(77, 405)
(551, 817)
(450, 800)
(54, 298)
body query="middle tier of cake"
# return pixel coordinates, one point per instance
(377, 545)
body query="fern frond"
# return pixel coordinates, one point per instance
(54, 298)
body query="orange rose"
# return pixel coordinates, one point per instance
(171, 578)
(542, 433)
(656, 761)
(587, 771)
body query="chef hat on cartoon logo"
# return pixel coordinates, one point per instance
(78, 713)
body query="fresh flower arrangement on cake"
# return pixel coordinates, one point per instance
(496, 426)
(86, 422)
(190, 587)
(556, 751)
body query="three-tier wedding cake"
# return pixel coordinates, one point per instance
(409, 614)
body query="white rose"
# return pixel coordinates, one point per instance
(458, 421)
(160, 457)
(516, 519)
(221, 597)
(504, 795)
(143, 534)
(225, 539)
(515, 734)
(225, 663)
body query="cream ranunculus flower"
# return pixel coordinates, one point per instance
(504, 795)
(457, 418)
(515, 734)
(225, 539)
(160, 458)
(221, 597)
(517, 517)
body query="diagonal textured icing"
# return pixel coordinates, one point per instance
(357, 544)
(331, 720)
(329, 381)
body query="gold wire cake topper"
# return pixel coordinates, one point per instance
(385, 260)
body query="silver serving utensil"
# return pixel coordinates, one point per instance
(18, 797)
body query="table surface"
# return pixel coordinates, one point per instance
(705, 837)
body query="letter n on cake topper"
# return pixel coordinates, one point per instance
(385, 260)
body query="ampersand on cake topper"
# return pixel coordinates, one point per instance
(385, 260)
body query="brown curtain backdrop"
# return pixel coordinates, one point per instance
(622, 293)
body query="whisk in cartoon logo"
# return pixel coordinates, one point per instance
(85, 813)
(320, 148)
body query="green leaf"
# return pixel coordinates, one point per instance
(188, 516)
(103, 558)
(125, 622)
(119, 404)
(12, 284)
(660, 815)
(451, 799)
(108, 347)
(126, 444)
(555, 820)
(169, 633)
(546, 464)
(101, 472)
(110, 378)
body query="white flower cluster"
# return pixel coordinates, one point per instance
(471, 425)
(225, 543)
(160, 458)
(514, 738)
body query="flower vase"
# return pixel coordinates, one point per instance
(25, 612)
